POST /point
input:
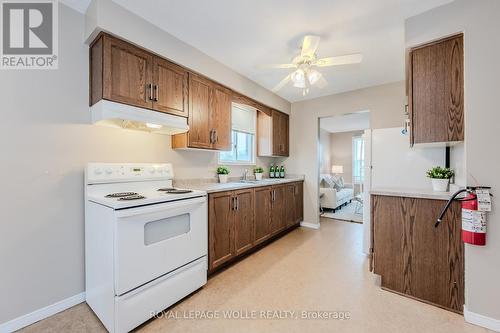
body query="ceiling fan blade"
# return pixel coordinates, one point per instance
(309, 46)
(278, 66)
(321, 83)
(282, 83)
(340, 60)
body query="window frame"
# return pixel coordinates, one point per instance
(254, 141)
(361, 178)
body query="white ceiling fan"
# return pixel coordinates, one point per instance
(305, 73)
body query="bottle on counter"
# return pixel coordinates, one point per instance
(271, 171)
(282, 171)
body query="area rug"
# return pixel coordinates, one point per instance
(347, 213)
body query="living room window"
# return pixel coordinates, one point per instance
(242, 137)
(358, 160)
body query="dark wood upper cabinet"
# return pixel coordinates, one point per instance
(122, 71)
(436, 91)
(170, 87)
(272, 134)
(220, 225)
(200, 94)
(243, 221)
(220, 121)
(209, 116)
(415, 258)
(262, 230)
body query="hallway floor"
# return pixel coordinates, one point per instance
(307, 270)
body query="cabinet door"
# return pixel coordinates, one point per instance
(221, 117)
(280, 125)
(436, 92)
(299, 202)
(290, 205)
(278, 219)
(262, 210)
(199, 135)
(170, 88)
(220, 222)
(243, 221)
(127, 73)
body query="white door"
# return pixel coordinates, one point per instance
(151, 241)
(367, 138)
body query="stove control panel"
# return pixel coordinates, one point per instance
(122, 172)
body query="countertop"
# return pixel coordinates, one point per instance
(412, 193)
(235, 185)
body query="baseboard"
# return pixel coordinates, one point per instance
(309, 225)
(480, 320)
(37, 315)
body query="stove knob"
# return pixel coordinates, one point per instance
(98, 171)
(109, 171)
(152, 170)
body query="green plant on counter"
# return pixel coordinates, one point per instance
(440, 173)
(222, 170)
(258, 170)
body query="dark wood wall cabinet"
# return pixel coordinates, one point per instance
(436, 91)
(125, 73)
(273, 134)
(413, 257)
(240, 220)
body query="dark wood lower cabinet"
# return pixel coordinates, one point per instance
(220, 209)
(278, 218)
(243, 221)
(240, 220)
(262, 210)
(415, 258)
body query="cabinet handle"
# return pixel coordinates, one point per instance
(150, 91)
(233, 203)
(216, 136)
(211, 136)
(237, 203)
(156, 92)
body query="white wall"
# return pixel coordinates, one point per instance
(396, 165)
(480, 24)
(386, 106)
(324, 151)
(341, 152)
(46, 139)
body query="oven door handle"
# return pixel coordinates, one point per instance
(154, 208)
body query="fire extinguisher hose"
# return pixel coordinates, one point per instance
(453, 197)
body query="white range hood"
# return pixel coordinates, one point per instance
(119, 115)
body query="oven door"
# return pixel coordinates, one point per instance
(151, 241)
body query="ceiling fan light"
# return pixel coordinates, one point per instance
(299, 84)
(313, 76)
(298, 77)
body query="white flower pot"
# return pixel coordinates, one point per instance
(258, 176)
(440, 185)
(222, 179)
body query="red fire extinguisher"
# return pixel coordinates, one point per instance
(473, 218)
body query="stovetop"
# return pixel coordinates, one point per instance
(127, 195)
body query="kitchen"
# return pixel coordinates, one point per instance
(57, 140)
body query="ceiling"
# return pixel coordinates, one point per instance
(258, 32)
(346, 123)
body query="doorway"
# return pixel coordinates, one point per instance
(344, 166)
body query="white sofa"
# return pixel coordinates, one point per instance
(334, 198)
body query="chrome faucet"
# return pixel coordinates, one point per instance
(245, 174)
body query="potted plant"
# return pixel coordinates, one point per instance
(440, 178)
(223, 173)
(258, 173)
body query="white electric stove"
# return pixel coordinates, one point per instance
(145, 242)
